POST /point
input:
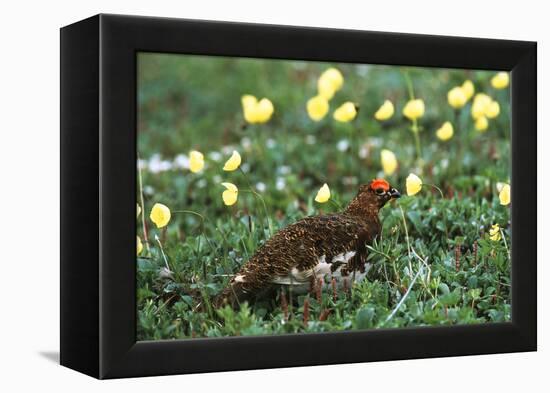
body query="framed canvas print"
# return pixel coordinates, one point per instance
(298, 196)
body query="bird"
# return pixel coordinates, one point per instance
(315, 247)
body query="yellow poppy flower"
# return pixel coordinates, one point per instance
(265, 110)
(323, 195)
(414, 109)
(256, 112)
(330, 81)
(317, 107)
(500, 80)
(468, 89)
(385, 111)
(160, 215)
(414, 184)
(138, 210)
(334, 76)
(325, 89)
(233, 162)
(196, 161)
(504, 195)
(493, 110)
(139, 246)
(346, 112)
(494, 233)
(249, 103)
(230, 195)
(480, 105)
(457, 97)
(389, 162)
(445, 132)
(482, 124)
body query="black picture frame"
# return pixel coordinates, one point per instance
(98, 177)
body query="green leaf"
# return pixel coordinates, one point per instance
(414, 217)
(365, 317)
(472, 282)
(146, 265)
(443, 288)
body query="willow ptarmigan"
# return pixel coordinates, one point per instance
(316, 246)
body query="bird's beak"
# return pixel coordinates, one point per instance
(394, 193)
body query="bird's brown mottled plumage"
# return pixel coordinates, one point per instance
(301, 245)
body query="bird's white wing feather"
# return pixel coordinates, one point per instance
(321, 270)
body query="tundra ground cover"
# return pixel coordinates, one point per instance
(444, 254)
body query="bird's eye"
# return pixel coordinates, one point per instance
(380, 191)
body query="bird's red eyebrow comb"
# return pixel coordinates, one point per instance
(380, 183)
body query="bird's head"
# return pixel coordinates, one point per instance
(373, 196)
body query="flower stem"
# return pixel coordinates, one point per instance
(407, 238)
(206, 238)
(338, 206)
(414, 130)
(462, 140)
(505, 243)
(444, 216)
(140, 183)
(251, 190)
(269, 225)
(418, 273)
(163, 254)
(398, 278)
(203, 220)
(414, 127)
(408, 81)
(437, 188)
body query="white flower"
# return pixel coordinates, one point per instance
(142, 164)
(227, 150)
(280, 184)
(215, 156)
(246, 143)
(261, 187)
(148, 190)
(342, 145)
(364, 151)
(376, 142)
(181, 161)
(283, 170)
(157, 165)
